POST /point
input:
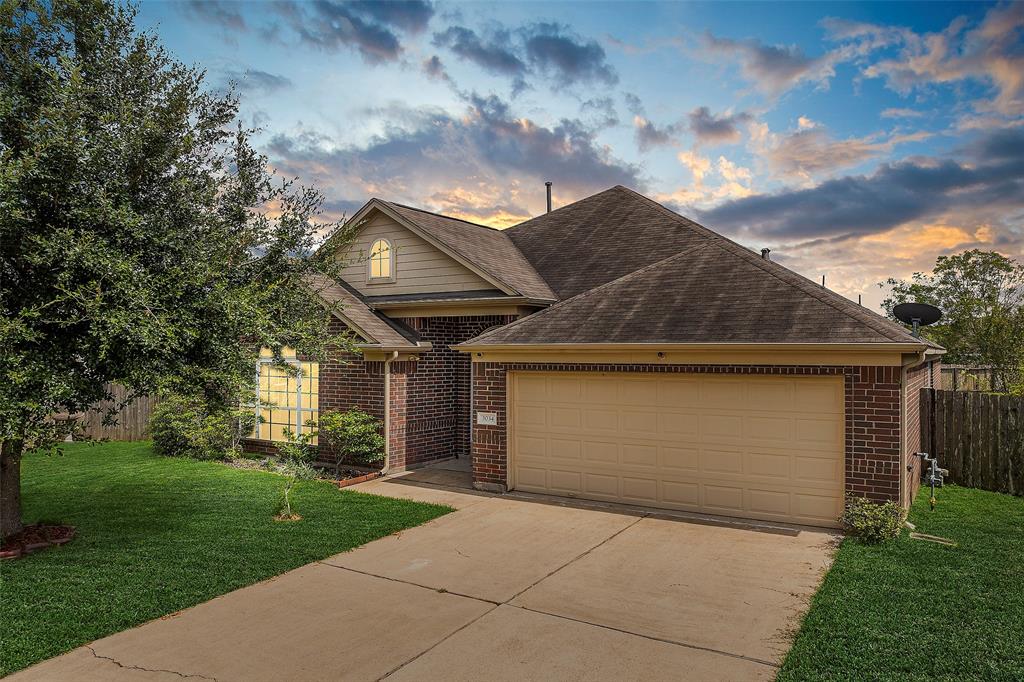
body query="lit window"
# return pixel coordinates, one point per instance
(381, 260)
(287, 400)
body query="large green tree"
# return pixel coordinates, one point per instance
(981, 295)
(143, 240)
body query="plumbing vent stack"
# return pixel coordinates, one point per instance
(766, 254)
(548, 185)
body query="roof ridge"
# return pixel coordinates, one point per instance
(441, 215)
(843, 305)
(560, 208)
(585, 294)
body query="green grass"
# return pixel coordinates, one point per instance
(913, 610)
(156, 535)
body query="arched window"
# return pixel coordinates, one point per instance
(382, 260)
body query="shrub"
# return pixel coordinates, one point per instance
(873, 522)
(185, 426)
(352, 436)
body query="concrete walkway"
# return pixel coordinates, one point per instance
(505, 588)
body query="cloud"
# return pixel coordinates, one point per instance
(811, 152)
(710, 128)
(368, 27)
(773, 69)
(434, 68)
(411, 16)
(734, 181)
(633, 104)
(987, 183)
(223, 14)
(648, 136)
(255, 81)
(556, 51)
(485, 162)
(990, 52)
(897, 112)
(600, 112)
(494, 53)
(547, 49)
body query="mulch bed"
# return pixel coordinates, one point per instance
(346, 475)
(35, 537)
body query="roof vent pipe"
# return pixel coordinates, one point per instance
(765, 253)
(548, 185)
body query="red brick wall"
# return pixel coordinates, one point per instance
(926, 375)
(430, 419)
(872, 418)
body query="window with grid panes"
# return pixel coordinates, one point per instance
(287, 400)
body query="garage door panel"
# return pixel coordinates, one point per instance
(601, 420)
(764, 428)
(818, 469)
(819, 431)
(562, 448)
(567, 481)
(725, 394)
(563, 418)
(768, 465)
(634, 454)
(601, 452)
(678, 423)
(755, 446)
(721, 461)
(601, 484)
(679, 392)
(681, 494)
(531, 415)
(817, 397)
(680, 458)
(639, 423)
(773, 502)
(723, 498)
(721, 427)
(643, 490)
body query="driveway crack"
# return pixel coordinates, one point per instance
(125, 666)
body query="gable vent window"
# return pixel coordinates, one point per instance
(382, 261)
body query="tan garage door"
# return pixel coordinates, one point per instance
(751, 446)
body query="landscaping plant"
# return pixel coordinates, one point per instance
(186, 426)
(352, 437)
(873, 522)
(135, 242)
(297, 454)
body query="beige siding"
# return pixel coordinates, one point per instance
(419, 267)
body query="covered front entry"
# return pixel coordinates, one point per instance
(765, 447)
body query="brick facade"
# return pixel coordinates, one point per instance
(872, 397)
(430, 397)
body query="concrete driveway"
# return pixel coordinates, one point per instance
(505, 588)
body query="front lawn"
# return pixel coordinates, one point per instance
(156, 535)
(917, 610)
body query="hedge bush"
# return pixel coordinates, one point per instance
(873, 522)
(183, 426)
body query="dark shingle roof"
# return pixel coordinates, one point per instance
(711, 290)
(371, 326)
(487, 248)
(601, 238)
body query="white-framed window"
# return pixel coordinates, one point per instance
(382, 261)
(285, 400)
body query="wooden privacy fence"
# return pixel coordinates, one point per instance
(132, 419)
(963, 378)
(978, 437)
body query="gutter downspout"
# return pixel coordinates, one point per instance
(905, 465)
(387, 413)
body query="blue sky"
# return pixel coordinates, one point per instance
(857, 140)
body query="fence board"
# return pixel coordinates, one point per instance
(131, 421)
(978, 437)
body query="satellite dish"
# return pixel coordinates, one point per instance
(917, 314)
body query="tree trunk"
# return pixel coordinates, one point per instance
(10, 487)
